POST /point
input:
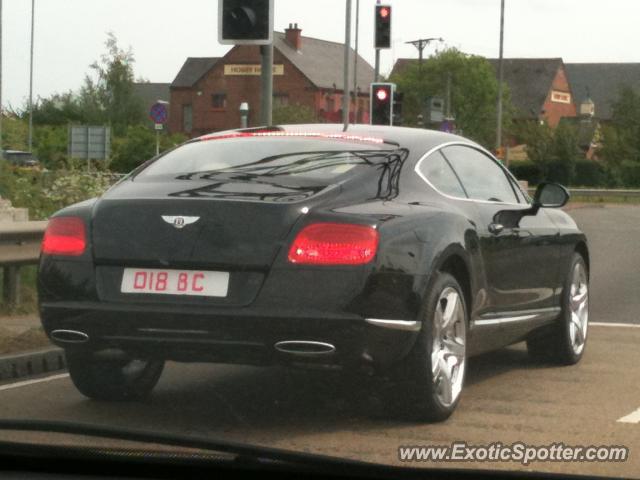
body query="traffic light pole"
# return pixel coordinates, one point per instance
(346, 92)
(266, 74)
(500, 80)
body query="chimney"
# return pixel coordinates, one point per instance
(294, 36)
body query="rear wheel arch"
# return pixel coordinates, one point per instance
(455, 265)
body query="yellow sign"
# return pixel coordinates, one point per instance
(248, 69)
(560, 97)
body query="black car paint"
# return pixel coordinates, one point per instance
(421, 231)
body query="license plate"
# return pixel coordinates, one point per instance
(175, 282)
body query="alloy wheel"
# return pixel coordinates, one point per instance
(578, 308)
(449, 346)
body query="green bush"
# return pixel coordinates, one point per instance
(629, 174)
(527, 170)
(43, 193)
(589, 173)
(138, 146)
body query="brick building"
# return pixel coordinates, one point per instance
(207, 92)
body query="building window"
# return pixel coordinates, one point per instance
(219, 101)
(187, 118)
(281, 100)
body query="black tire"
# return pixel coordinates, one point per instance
(113, 380)
(555, 344)
(414, 393)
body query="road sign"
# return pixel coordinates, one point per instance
(158, 113)
(89, 142)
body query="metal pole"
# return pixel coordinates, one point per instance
(500, 78)
(376, 77)
(266, 107)
(346, 94)
(157, 142)
(355, 65)
(33, 2)
(1, 148)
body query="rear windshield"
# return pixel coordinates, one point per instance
(312, 158)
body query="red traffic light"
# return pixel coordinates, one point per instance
(384, 12)
(382, 94)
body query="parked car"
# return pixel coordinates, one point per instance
(394, 252)
(19, 158)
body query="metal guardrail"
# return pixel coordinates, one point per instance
(19, 246)
(599, 193)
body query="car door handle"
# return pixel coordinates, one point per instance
(495, 228)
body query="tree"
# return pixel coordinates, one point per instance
(621, 139)
(139, 145)
(554, 151)
(474, 92)
(111, 95)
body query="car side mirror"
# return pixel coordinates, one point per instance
(551, 195)
(548, 195)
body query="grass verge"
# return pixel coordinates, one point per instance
(31, 339)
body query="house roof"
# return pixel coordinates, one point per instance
(150, 93)
(529, 81)
(192, 70)
(322, 62)
(602, 82)
(401, 65)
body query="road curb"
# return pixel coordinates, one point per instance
(34, 362)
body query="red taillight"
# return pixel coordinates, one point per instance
(64, 236)
(334, 244)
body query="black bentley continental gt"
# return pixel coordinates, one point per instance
(394, 252)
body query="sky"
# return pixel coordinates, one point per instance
(70, 34)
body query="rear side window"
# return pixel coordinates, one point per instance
(439, 173)
(481, 177)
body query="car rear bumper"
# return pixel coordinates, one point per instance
(231, 335)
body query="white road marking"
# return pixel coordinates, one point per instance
(619, 325)
(24, 383)
(633, 417)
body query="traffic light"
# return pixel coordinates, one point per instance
(381, 99)
(397, 108)
(383, 26)
(245, 22)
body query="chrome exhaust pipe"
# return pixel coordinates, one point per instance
(69, 336)
(304, 348)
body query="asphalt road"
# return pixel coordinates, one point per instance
(507, 398)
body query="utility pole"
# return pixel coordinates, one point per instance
(355, 65)
(266, 73)
(346, 94)
(500, 78)
(421, 44)
(31, 79)
(376, 76)
(1, 149)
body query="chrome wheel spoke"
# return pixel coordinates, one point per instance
(451, 310)
(579, 298)
(455, 348)
(578, 334)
